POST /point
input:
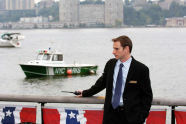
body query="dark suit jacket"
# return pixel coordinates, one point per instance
(137, 96)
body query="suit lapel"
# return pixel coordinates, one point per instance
(131, 70)
(113, 66)
(112, 70)
(111, 76)
(130, 73)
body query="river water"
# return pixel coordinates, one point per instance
(163, 50)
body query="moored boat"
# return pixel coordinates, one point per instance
(50, 63)
(11, 40)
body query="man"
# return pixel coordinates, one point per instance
(128, 89)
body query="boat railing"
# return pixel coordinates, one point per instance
(42, 100)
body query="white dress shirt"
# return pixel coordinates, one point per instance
(125, 70)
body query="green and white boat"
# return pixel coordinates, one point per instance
(50, 63)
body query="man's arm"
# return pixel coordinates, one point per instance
(96, 88)
(147, 95)
(99, 85)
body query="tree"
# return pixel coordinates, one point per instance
(118, 23)
(176, 10)
(127, 2)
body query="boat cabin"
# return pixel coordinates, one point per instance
(48, 55)
(9, 36)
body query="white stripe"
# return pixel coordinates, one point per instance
(158, 110)
(81, 118)
(72, 108)
(50, 71)
(17, 114)
(2, 114)
(63, 115)
(9, 105)
(180, 109)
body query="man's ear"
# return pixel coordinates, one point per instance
(126, 47)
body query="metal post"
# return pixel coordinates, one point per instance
(172, 115)
(42, 105)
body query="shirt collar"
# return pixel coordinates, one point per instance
(126, 63)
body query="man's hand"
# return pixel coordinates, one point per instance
(78, 93)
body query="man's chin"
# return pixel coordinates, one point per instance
(116, 57)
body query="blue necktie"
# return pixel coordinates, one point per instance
(117, 93)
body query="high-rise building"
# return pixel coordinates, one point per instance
(2, 4)
(29, 4)
(113, 12)
(91, 14)
(18, 4)
(69, 12)
(109, 13)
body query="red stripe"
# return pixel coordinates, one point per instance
(94, 116)
(28, 115)
(156, 117)
(180, 117)
(51, 116)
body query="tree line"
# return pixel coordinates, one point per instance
(152, 14)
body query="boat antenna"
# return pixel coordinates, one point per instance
(51, 45)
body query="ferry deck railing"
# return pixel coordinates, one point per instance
(42, 100)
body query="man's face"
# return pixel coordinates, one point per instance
(118, 51)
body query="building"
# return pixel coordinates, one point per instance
(96, 17)
(176, 22)
(2, 4)
(18, 4)
(113, 12)
(38, 19)
(108, 13)
(69, 12)
(45, 4)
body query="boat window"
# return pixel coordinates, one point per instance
(6, 37)
(39, 56)
(46, 57)
(60, 58)
(57, 57)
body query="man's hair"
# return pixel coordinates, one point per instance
(125, 41)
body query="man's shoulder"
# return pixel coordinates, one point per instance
(139, 64)
(112, 60)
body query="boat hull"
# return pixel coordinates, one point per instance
(39, 70)
(9, 43)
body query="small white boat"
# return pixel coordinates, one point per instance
(50, 63)
(11, 40)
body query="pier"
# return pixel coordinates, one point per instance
(42, 100)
